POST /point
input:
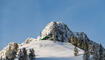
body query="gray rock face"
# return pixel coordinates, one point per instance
(57, 31)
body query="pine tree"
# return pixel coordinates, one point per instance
(95, 56)
(100, 52)
(22, 54)
(103, 55)
(31, 54)
(79, 44)
(82, 44)
(75, 51)
(86, 55)
(85, 46)
(74, 40)
(91, 49)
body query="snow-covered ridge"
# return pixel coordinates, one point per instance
(55, 41)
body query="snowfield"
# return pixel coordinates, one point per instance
(50, 50)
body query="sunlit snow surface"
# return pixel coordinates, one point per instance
(49, 50)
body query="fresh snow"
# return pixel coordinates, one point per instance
(50, 50)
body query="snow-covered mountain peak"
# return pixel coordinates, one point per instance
(57, 31)
(55, 42)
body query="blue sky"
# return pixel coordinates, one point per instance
(20, 19)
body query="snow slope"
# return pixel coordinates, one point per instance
(50, 50)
